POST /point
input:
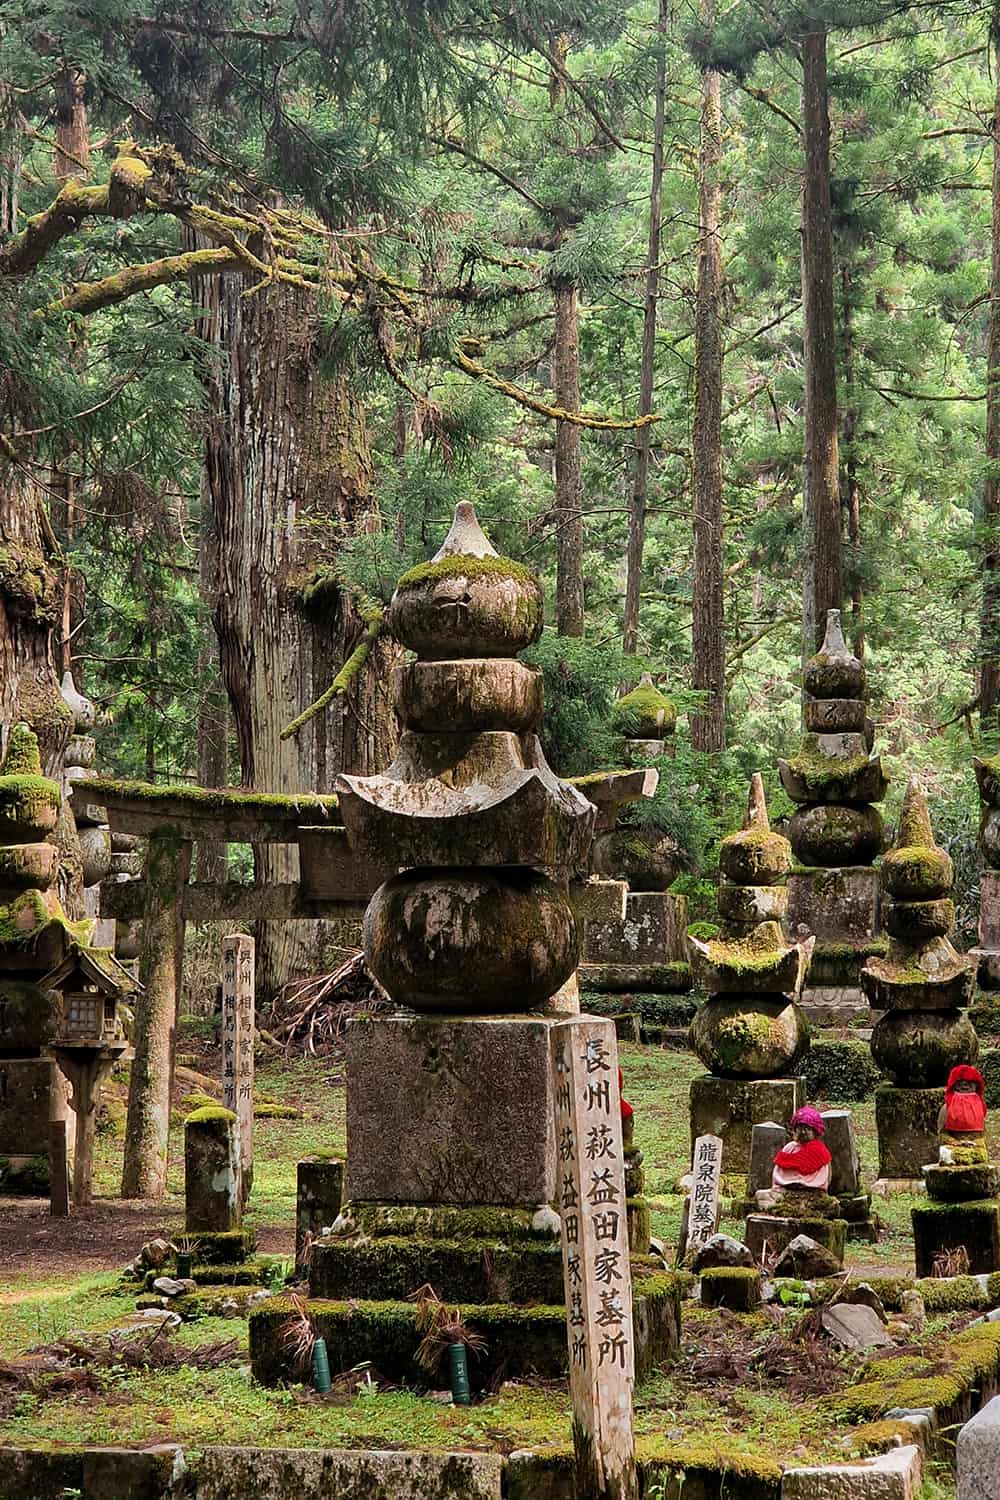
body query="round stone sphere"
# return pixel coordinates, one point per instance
(95, 852)
(755, 856)
(745, 1036)
(916, 921)
(832, 834)
(648, 859)
(463, 606)
(917, 1049)
(470, 941)
(918, 873)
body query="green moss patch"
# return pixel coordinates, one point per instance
(458, 565)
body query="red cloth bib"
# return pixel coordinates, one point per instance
(806, 1159)
(965, 1112)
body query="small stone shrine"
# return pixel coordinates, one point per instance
(751, 1032)
(922, 985)
(836, 830)
(958, 1231)
(646, 719)
(34, 936)
(453, 1162)
(988, 952)
(845, 1170)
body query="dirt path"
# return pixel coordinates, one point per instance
(104, 1237)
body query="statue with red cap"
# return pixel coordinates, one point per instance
(804, 1162)
(962, 1118)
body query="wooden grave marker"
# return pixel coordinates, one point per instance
(238, 1043)
(596, 1274)
(706, 1179)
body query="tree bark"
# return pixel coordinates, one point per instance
(640, 479)
(989, 668)
(822, 584)
(289, 476)
(213, 711)
(569, 510)
(708, 639)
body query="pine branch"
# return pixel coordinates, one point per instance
(91, 296)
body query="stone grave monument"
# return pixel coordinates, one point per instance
(453, 1163)
(751, 1032)
(836, 831)
(922, 985)
(33, 940)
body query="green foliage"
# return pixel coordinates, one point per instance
(581, 681)
(839, 1072)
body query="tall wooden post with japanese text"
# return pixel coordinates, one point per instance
(598, 1282)
(237, 1044)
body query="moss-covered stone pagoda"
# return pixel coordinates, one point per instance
(452, 1156)
(751, 1032)
(922, 985)
(836, 831)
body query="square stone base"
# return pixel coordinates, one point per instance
(520, 1340)
(731, 1107)
(32, 1092)
(450, 1110)
(906, 1120)
(653, 932)
(973, 1227)
(836, 905)
(770, 1234)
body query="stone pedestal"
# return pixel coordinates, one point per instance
(318, 1195)
(841, 906)
(906, 1120)
(213, 1206)
(32, 1094)
(988, 952)
(450, 1110)
(731, 1107)
(646, 952)
(940, 1228)
(767, 1234)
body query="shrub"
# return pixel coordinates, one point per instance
(842, 1072)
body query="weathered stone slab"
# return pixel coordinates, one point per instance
(845, 1165)
(906, 1120)
(212, 1199)
(450, 1110)
(856, 1327)
(892, 1476)
(325, 1474)
(26, 1085)
(766, 1140)
(652, 932)
(989, 909)
(978, 1455)
(836, 905)
(238, 1032)
(731, 1107)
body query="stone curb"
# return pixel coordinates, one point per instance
(891, 1476)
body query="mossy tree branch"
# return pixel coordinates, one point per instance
(344, 678)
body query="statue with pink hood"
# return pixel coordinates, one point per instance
(803, 1164)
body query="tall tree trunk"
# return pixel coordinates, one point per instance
(213, 710)
(640, 479)
(569, 510)
(822, 585)
(289, 474)
(989, 669)
(708, 637)
(850, 486)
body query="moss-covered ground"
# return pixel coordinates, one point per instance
(733, 1392)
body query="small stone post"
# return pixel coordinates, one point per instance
(591, 1198)
(212, 1171)
(58, 1170)
(238, 1044)
(319, 1193)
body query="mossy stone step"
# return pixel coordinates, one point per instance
(519, 1340)
(735, 1287)
(392, 1268)
(961, 1184)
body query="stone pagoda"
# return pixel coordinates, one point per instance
(836, 830)
(751, 1032)
(452, 1155)
(647, 952)
(922, 985)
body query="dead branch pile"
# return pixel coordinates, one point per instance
(311, 1015)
